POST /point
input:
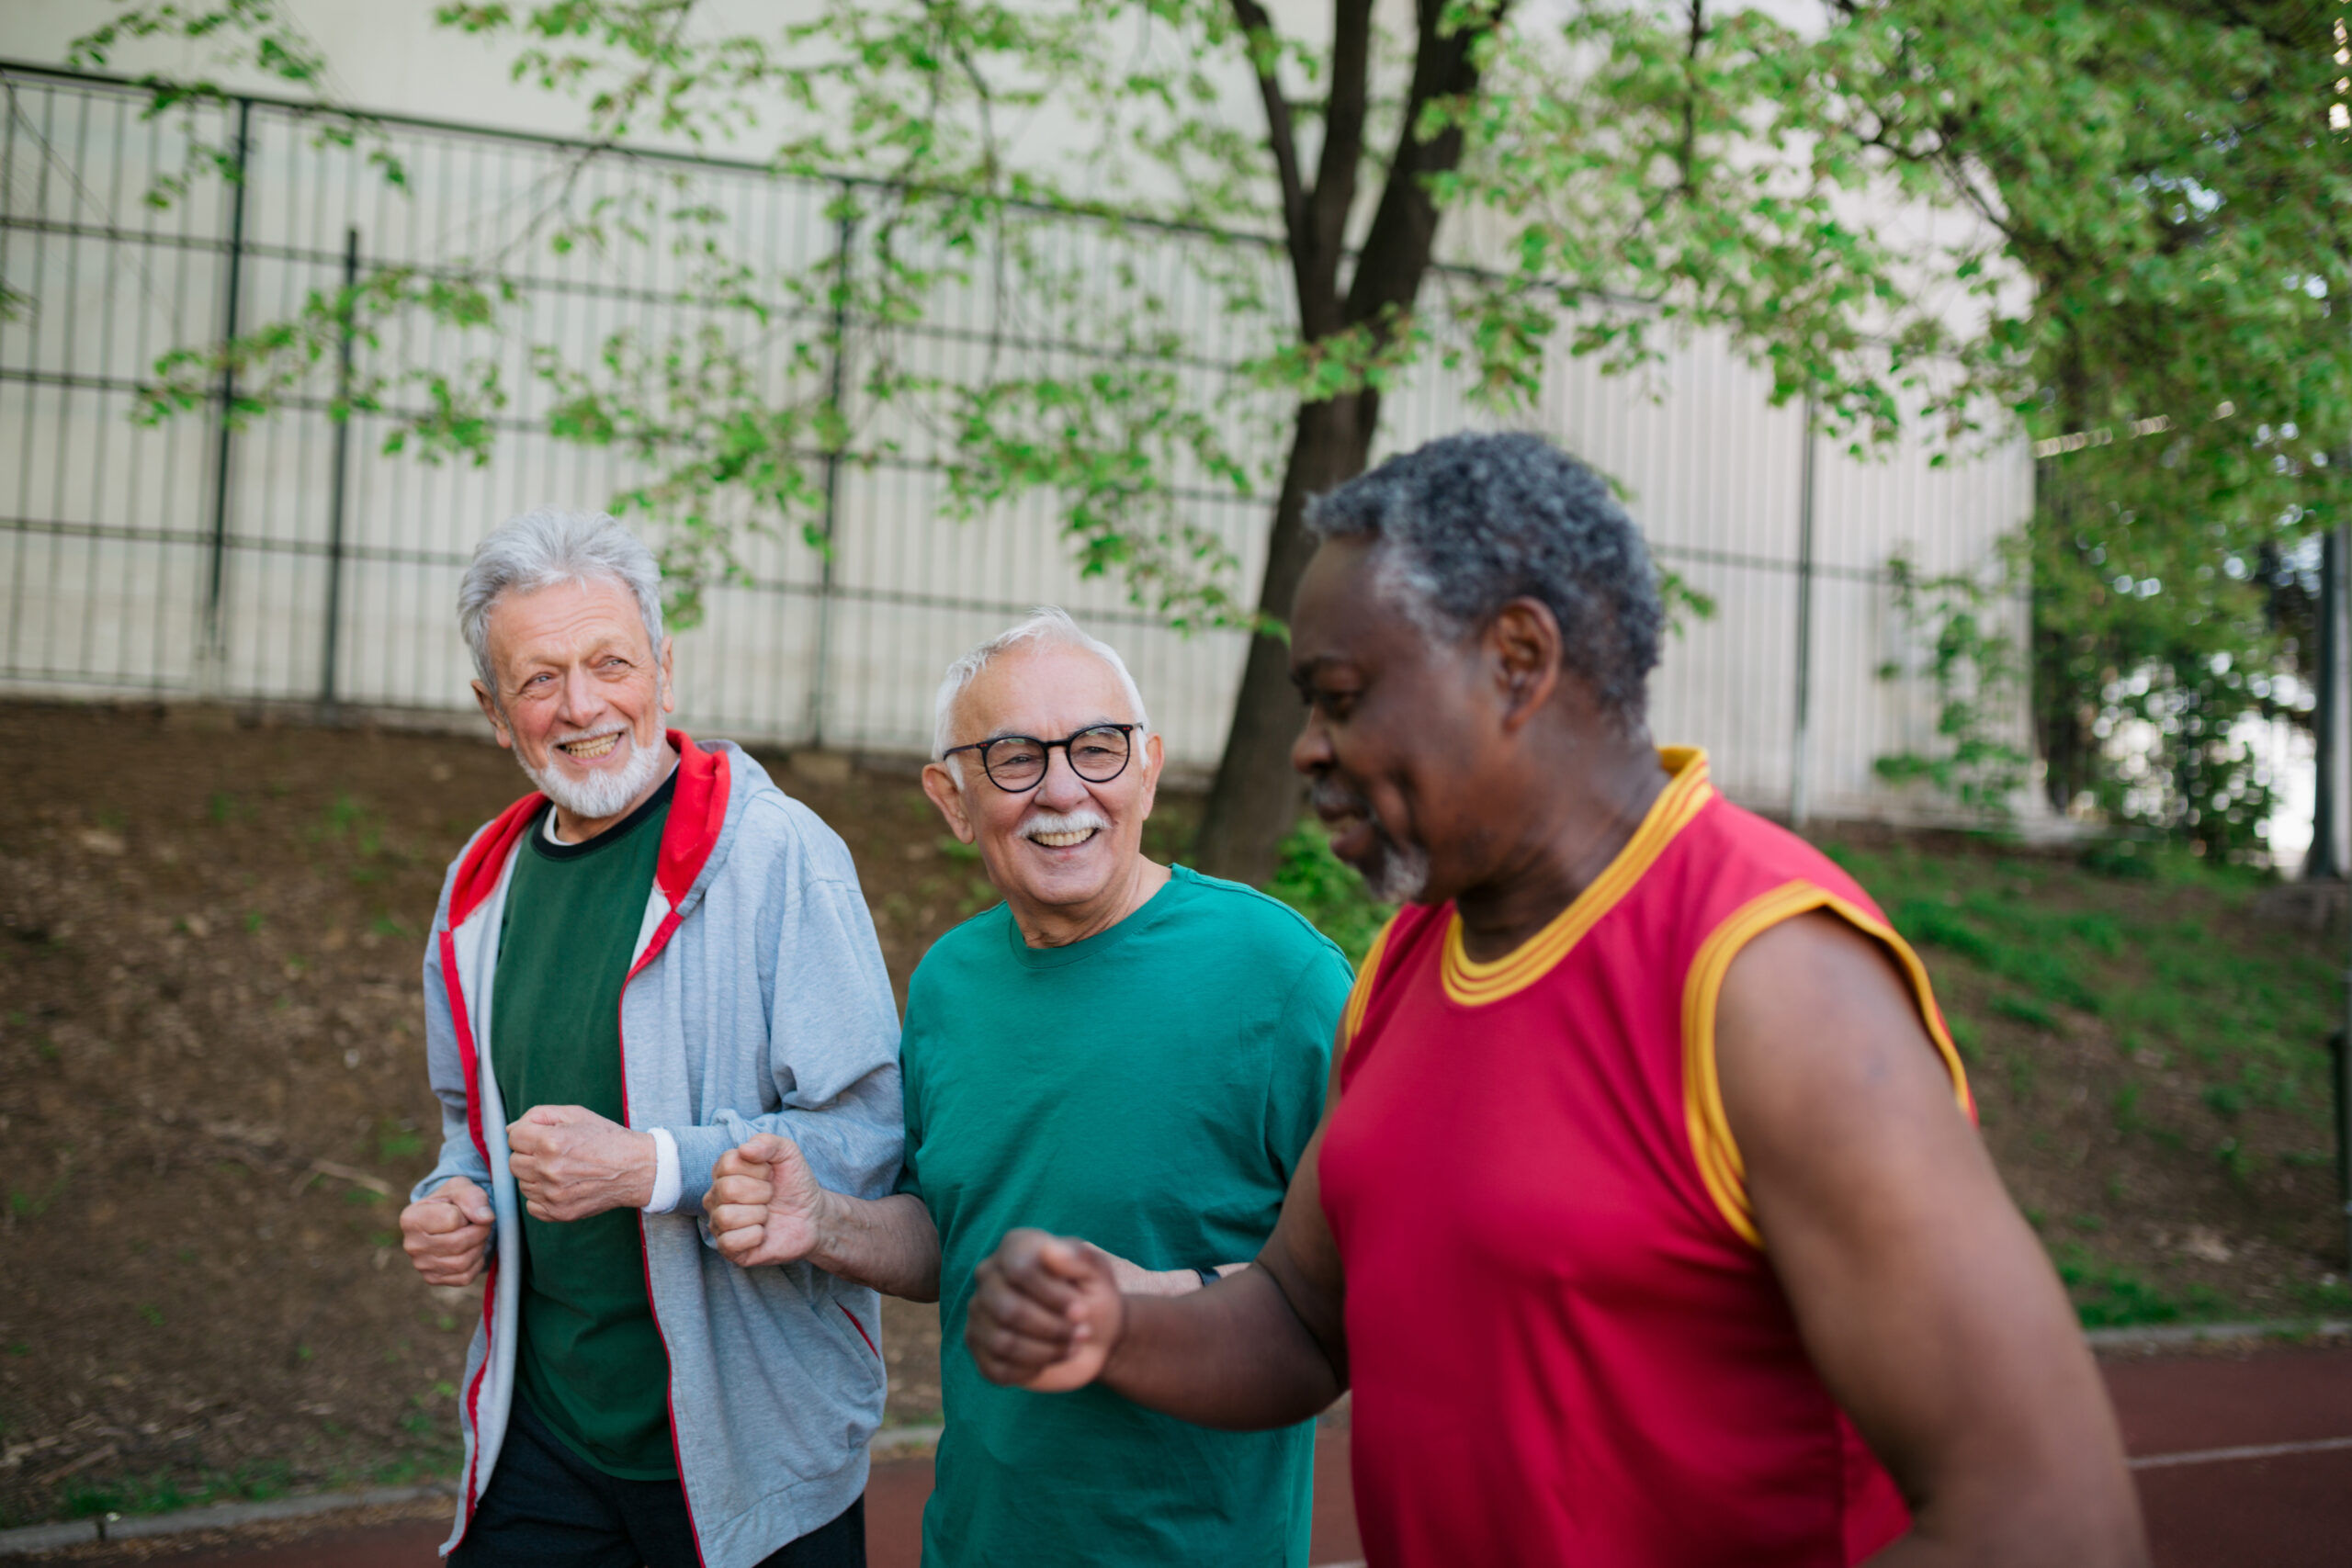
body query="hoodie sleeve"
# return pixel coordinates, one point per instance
(832, 1040)
(444, 1063)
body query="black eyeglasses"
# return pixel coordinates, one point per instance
(1016, 763)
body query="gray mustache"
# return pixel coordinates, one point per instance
(1331, 797)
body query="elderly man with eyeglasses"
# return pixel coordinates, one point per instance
(1134, 1049)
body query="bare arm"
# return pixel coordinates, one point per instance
(766, 1207)
(1265, 1347)
(1923, 1299)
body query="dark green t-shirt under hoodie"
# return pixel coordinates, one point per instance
(590, 1361)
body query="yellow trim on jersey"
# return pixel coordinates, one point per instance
(1359, 994)
(1712, 1147)
(1472, 984)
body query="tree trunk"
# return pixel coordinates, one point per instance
(1258, 795)
(1256, 798)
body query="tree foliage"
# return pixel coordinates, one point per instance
(1976, 668)
(2167, 179)
(2089, 218)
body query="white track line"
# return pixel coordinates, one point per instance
(2255, 1450)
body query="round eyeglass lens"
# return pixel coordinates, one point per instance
(1099, 755)
(1014, 763)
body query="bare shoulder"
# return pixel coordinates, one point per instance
(1817, 1019)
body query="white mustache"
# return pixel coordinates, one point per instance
(1080, 821)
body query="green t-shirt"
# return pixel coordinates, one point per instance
(1151, 1089)
(591, 1360)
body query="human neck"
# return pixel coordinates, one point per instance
(1581, 821)
(1059, 925)
(573, 829)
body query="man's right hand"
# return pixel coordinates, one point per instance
(1045, 1313)
(764, 1203)
(446, 1235)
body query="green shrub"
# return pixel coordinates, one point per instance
(1318, 884)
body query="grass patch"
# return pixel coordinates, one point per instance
(32, 1204)
(349, 820)
(165, 1491)
(396, 1141)
(2107, 1295)
(2026, 1011)
(2171, 975)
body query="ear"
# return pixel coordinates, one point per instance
(669, 686)
(1152, 760)
(497, 719)
(1522, 645)
(946, 795)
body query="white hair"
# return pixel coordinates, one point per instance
(1046, 624)
(547, 547)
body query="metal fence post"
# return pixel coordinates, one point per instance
(821, 666)
(333, 634)
(215, 662)
(1800, 779)
(2336, 564)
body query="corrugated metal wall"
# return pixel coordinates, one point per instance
(113, 533)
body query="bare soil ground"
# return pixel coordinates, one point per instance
(212, 1094)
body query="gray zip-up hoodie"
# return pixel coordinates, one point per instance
(756, 1001)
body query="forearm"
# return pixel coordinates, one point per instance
(1236, 1357)
(2097, 1531)
(888, 1244)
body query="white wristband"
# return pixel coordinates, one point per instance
(666, 1180)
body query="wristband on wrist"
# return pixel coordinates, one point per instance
(1208, 1276)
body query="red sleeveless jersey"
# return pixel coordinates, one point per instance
(1565, 1343)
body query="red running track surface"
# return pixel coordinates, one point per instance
(2282, 1510)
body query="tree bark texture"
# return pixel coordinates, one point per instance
(1257, 796)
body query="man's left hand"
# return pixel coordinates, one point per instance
(571, 1163)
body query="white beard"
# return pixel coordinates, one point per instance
(603, 794)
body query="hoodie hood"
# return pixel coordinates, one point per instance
(698, 810)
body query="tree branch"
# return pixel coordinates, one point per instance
(1343, 154)
(1403, 238)
(1257, 40)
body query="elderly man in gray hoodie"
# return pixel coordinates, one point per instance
(650, 959)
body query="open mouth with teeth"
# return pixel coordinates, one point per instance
(588, 750)
(1063, 841)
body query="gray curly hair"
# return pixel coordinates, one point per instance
(1467, 523)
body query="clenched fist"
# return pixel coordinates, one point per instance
(764, 1205)
(1046, 1312)
(446, 1235)
(571, 1163)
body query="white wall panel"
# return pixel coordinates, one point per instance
(107, 528)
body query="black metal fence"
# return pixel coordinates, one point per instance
(287, 558)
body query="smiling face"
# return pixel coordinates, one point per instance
(1068, 848)
(1392, 742)
(580, 692)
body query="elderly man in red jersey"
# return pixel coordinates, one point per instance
(1647, 1220)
